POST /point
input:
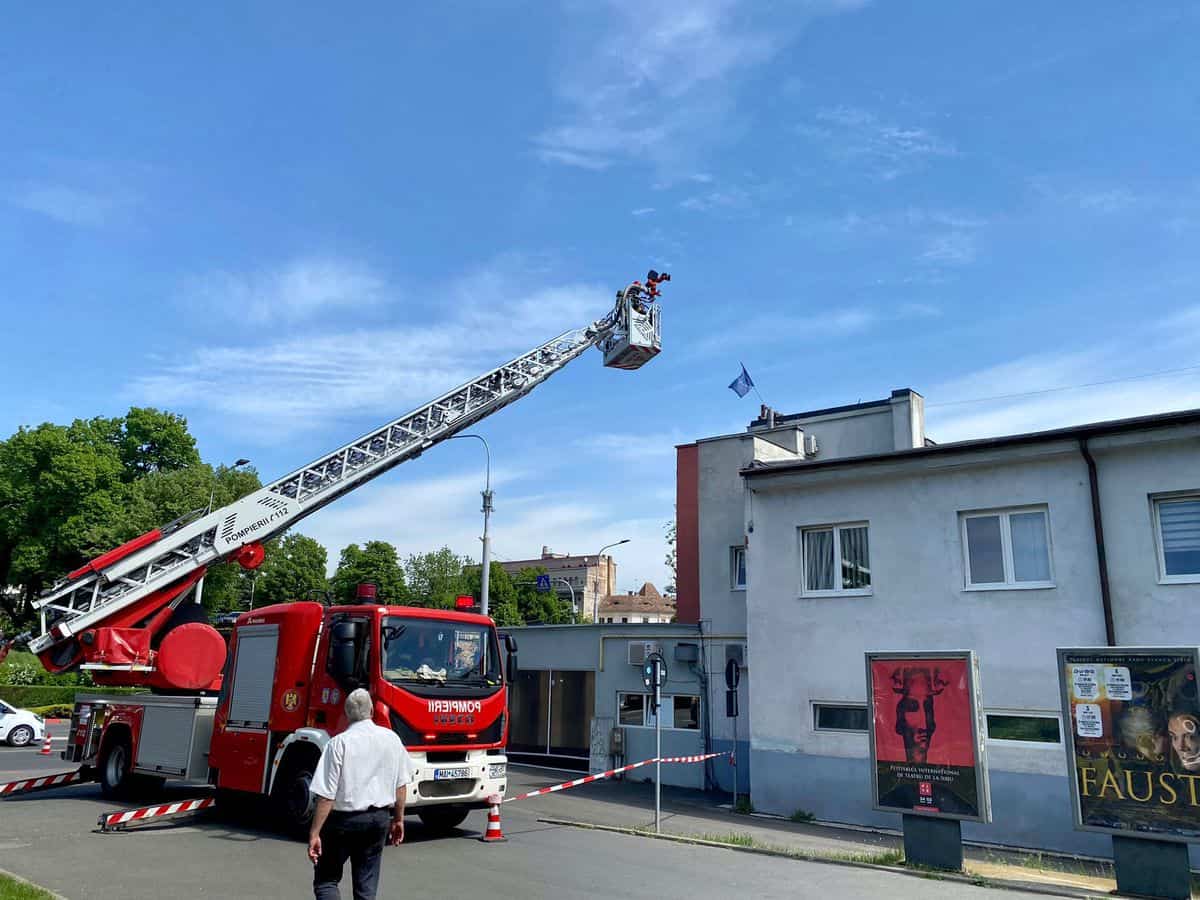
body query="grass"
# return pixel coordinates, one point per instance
(801, 816)
(11, 889)
(742, 839)
(744, 806)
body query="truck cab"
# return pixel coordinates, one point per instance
(437, 677)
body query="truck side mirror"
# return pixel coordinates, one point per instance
(510, 667)
(345, 645)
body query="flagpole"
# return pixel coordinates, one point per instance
(753, 386)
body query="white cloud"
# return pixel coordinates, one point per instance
(634, 447)
(857, 136)
(303, 378)
(956, 248)
(1101, 200)
(654, 82)
(1073, 387)
(418, 516)
(292, 292)
(70, 205)
(644, 211)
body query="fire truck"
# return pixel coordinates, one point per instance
(249, 715)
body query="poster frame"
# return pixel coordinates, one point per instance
(978, 731)
(1069, 735)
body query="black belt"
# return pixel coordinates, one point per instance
(343, 813)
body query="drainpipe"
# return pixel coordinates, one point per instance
(1101, 554)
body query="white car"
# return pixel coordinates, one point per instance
(19, 727)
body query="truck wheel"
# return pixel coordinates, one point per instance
(116, 768)
(20, 736)
(442, 819)
(291, 797)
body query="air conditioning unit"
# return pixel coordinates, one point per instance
(639, 650)
(811, 447)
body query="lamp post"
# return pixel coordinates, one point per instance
(485, 573)
(213, 493)
(596, 607)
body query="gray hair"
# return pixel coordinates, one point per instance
(359, 705)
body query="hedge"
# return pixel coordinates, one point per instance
(24, 696)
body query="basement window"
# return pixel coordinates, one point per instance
(839, 717)
(1027, 728)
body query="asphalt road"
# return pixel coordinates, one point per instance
(52, 839)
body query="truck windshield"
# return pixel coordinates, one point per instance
(427, 651)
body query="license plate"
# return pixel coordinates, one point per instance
(448, 774)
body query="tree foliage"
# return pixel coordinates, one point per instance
(671, 558)
(502, 594)
(376, 563)
(293, 569)
(436, 578)
(66, 493)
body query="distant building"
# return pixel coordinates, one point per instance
(646, 607)
(584, 579)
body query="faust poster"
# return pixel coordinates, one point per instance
(926, 753)
(1134, 740)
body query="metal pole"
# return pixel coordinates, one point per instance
(657, 753)
(596, 607)
(735, 767)
(571, 589)
(486, 570)
(253, 582)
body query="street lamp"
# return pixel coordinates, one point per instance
(213, 493)
(596, 606)
(487, 512)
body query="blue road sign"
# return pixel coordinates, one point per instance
(543, 583)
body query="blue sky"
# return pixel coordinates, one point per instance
(291, 223)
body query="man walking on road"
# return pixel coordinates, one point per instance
(360, 786)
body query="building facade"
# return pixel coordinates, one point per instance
(586, 580)
(716, 527)
(643, 607)
(1011, 547)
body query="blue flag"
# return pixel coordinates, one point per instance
(742, 384)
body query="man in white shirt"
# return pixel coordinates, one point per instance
(360, 786)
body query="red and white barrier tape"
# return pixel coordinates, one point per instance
(34, 784)
(109, 821)
(598, 776)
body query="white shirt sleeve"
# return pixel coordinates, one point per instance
(405, 772)
(328, 775)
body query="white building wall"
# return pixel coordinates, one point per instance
(811, 649)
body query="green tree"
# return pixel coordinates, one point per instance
(670, 560)
(376, 563)
(540, 607)
(62, 494)
(435, 579)
(294, 567)
(502, 593)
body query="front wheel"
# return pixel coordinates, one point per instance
(442, 819)
(21, 736)
(116, 768)
(292, 798)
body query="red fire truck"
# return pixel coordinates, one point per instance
(250, 715)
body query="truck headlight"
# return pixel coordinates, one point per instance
(497, 770)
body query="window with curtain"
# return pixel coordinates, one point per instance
(737, 568)
(835, 559)
(1178, 520)
(1007, 548)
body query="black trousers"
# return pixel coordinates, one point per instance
(358, 837)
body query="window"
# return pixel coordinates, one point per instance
(737, 568)
(835, 559)
(839, 717)
(1035, 729)
(1007, 548)
(679, 711)
(631, 709)
(1178, 527)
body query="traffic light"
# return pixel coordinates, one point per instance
(654, 674)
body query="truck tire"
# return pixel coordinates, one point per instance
(116, 768)
(442, 819)
(290, 795)
(21, 736)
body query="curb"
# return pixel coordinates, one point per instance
(977, 881)
(25, 881)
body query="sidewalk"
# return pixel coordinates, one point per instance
(694, 814)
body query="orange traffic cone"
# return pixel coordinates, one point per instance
(493, 834)
(45, 751)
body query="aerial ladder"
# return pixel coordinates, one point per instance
(123, 616)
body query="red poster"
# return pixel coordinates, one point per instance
(925, 735)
